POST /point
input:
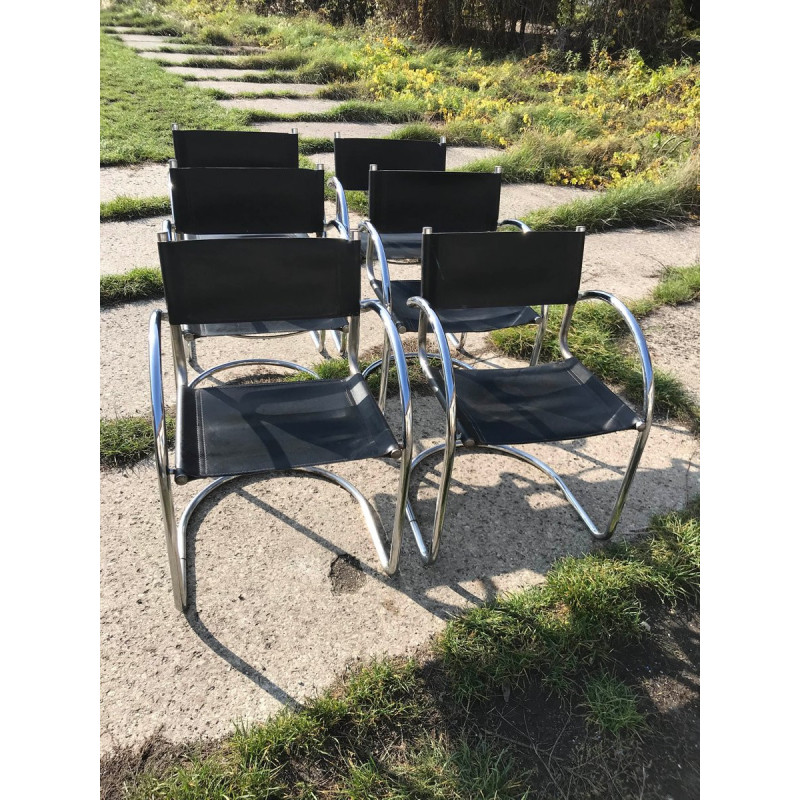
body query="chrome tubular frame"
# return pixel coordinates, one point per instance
(648, 390)
(176, 532)
(375, 247)
(427, 316)
(390, 560)
(174, 550)
(342, 219)
(430, 554)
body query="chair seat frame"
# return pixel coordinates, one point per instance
(388, 550)
(429, 550)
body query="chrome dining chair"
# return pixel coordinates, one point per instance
(495, 409)
(224, 431)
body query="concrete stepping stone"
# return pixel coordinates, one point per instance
(145, 41)
(458, 157)
(125, 245)
(325, 130)
(138, 180)
(242, 87)
(519, 199)
(673, 338)
(629, 263)
(281, 105)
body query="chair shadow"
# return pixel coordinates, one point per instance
(513, 536)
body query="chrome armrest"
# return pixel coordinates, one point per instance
(157, 392)
(375, 245)
(517, 223)
(648, 386)
(342, 214)
(343, 232)
(400, 362)
(427, 317)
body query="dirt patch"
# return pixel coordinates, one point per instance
(347, 574)
(571, 758)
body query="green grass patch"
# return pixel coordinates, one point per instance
(349, 111)
(140, 283)
(637, 202)
(126, 208)
(341, 91)
(277, 61)
(564, 629)
(594, 339)
(139, 101)
(126, 440)
(611, 705)
(308, 145)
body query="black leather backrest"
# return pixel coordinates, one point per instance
(406, 202)
(246, 280)
(483, 270)
(235, 149)
(248, 200)
(352, 158)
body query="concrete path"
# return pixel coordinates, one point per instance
(270, 620)
(242, 87)
(281, 105)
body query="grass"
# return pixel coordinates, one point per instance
(611, 705)
(277, 61)
(348, 111)
(594, 339)
(140, 283)
(406, 729)
(126, 440)
(138, 102)
(564, 629)
(127, 208)
(308, 145)
(636, 202)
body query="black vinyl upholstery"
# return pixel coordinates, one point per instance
(353, 157)
(213, 281)
(245, 200)
(457, 320)
(546, 403)
(235, 149)
(236, 430)
(408, 201)
(476, 270)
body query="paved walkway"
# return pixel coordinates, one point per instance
(269, 625)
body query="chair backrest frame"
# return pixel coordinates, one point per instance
(208, 281)
(247, 200)
(407, 201)
(353, 156)
(204, 148)
(491, 269)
